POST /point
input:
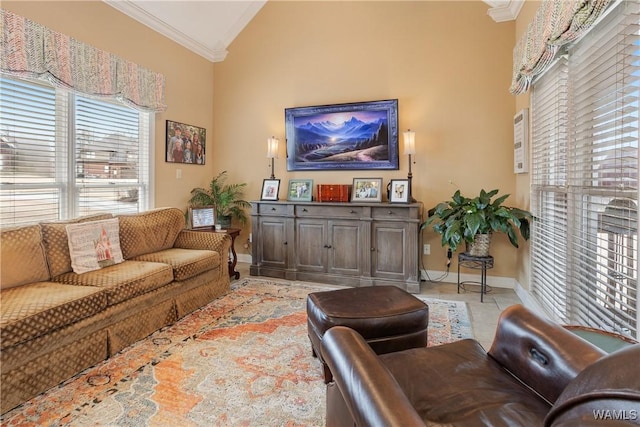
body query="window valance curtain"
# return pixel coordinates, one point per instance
(557, 22)
(31, 50)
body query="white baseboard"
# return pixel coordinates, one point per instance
(498, 282)
(452, 277)
(529, 301)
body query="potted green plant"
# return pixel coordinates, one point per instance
(226, 198)
(473, 220)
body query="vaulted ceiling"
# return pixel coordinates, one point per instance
(207, 27)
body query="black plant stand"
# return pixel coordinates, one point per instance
(482, 263)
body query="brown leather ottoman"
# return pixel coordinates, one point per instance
(388, 318)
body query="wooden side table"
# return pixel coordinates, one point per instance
(233, 257)
(607, 341)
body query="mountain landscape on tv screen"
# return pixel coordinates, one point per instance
(351, 140)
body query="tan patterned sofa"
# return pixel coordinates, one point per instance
(55, 323)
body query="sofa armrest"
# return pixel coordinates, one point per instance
(370, 392)
(219, 242)
(609, 389)
(540, 353)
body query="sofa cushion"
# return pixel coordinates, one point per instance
(461, 375)
(35, 309)
(122, 281)
(94, 245)
(56, 244)
(186, 263)
(149, 231)
(22, 257)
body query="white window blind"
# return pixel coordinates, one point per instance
(549, 110)
(32, 189)
(585, 245)
(604, 178)
(65, 155)
(110, 161)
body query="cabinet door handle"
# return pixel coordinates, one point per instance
(327, 246)
(284, 243)
(352, 211)
(304, 209)
(273, 209)
(373, 249)
(390, 213)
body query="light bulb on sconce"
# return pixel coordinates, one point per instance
(409, 149)
(272, 152)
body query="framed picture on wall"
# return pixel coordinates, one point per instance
(270, 188)
(354, 136)
(185, 143)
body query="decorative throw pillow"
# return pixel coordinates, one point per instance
(94, 245)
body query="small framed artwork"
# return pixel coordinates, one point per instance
(399, 191)
(300, 190)
(270, 188)
(366, 190)
(185, 143)
(202, 218)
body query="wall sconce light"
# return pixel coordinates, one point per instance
(272, 152)
(409, 149)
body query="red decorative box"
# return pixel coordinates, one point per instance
(334, 192)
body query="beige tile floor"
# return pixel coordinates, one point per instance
(484, 316)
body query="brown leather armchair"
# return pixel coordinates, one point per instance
(535, 373)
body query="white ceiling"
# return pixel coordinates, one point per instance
(207, 27)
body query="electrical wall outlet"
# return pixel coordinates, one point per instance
(426, 249)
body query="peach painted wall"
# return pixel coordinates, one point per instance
(523, 181)
(448, 64)
(189, 78)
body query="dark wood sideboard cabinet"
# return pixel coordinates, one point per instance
(351, 244)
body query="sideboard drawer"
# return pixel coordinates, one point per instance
(329, 212)
(272, 208)
(390, 213)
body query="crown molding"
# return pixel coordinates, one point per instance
(253, 7)
(504, 10)
(129, 8)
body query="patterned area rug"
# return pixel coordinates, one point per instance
(243, 360)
